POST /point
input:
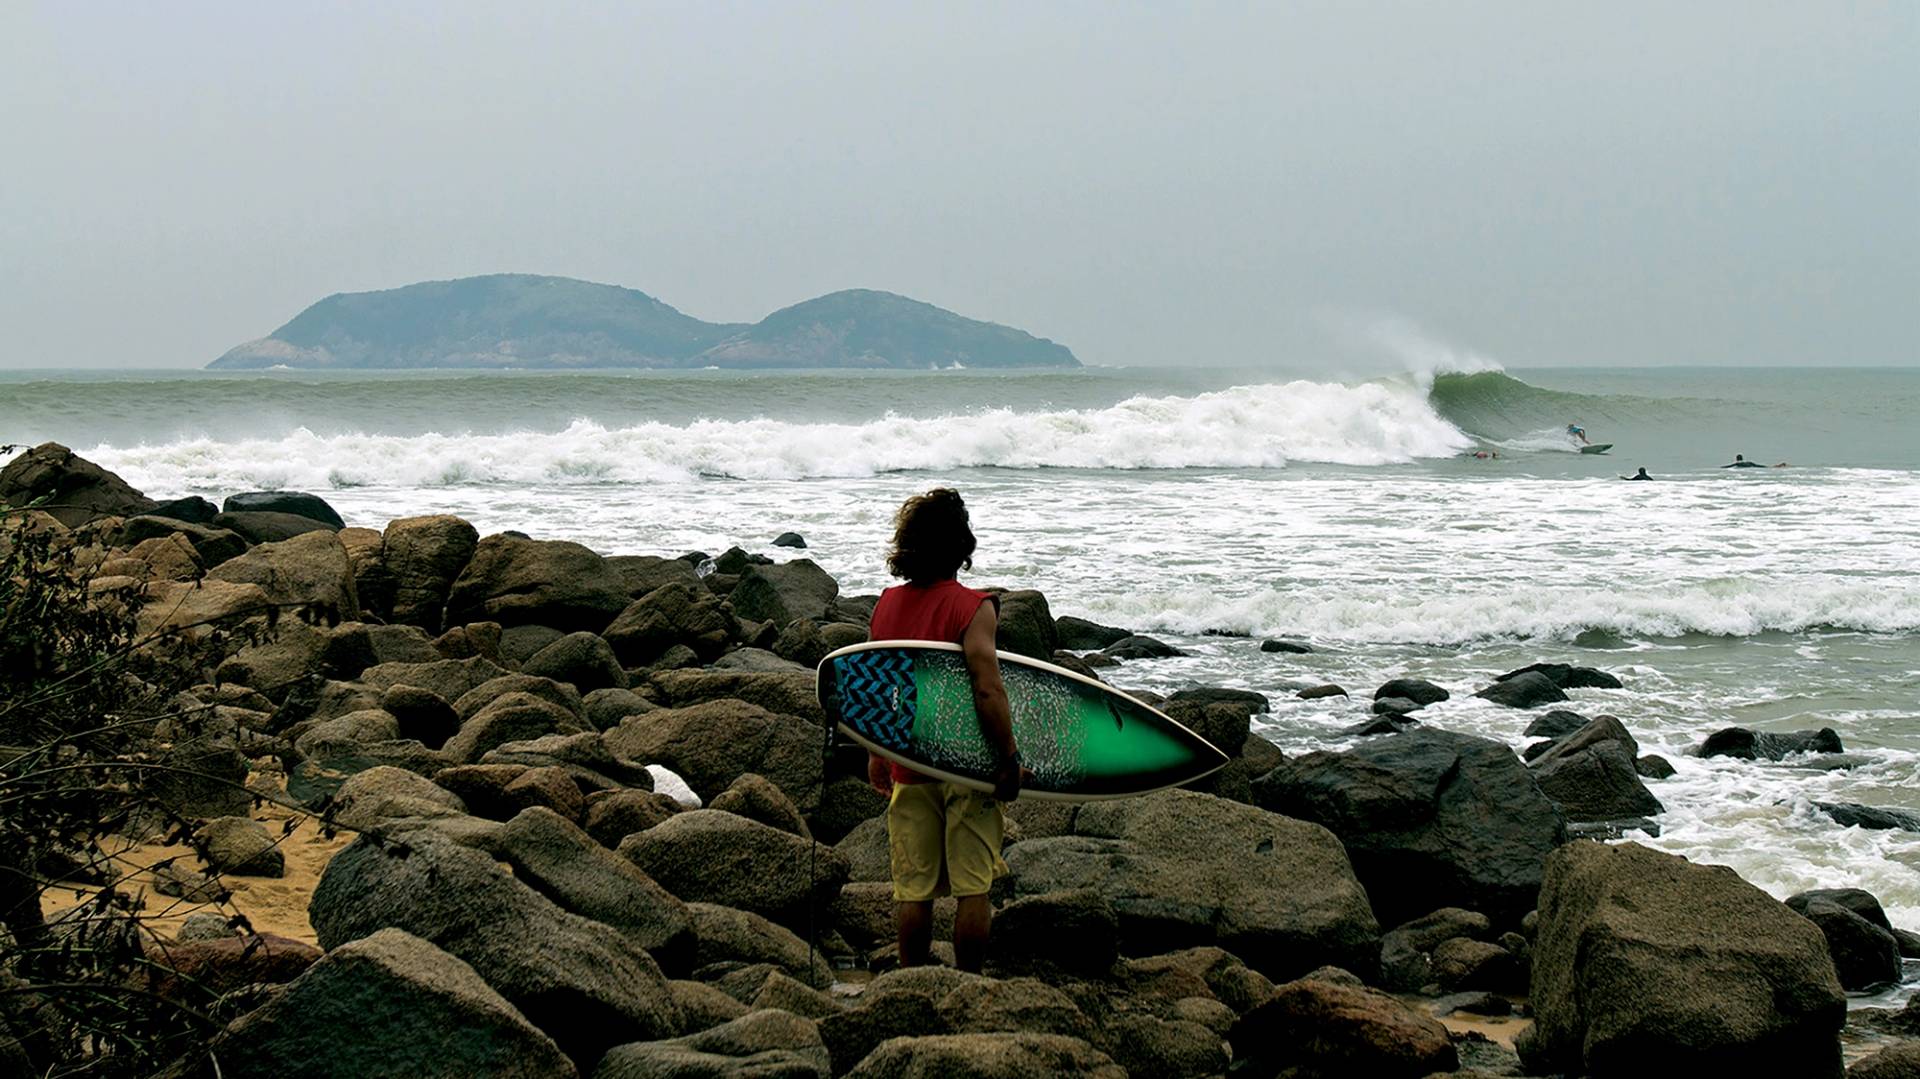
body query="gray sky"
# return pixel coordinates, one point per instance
(1543, 183)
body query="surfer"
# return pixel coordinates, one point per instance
(1740, 461)
(943, 838)
(1576, 431)
(1640, 475)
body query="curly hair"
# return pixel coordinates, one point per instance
(932, 537)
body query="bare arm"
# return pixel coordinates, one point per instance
(990, 698)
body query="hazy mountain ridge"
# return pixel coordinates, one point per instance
(532, 321)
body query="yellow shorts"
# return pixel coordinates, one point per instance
(944, 840)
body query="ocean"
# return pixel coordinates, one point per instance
(1188, 503)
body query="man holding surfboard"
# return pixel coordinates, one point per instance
(943, 838)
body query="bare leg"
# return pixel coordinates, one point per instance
(972, 921)
(914, 923)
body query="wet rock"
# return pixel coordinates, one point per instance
(297, 503)
(1245, 701)
(1140, 647)
(564, 864)
(1026, 625)
(238, 845)
(1418, 690)
(1276, 892)
(1428, 817)
(75, 489)
(1744, 744)
(1464, 963)
(1296, 648)
(413, 1010)
(790, 539)
(1653, 766)
(192, 509)
(1858, 900)
(708, 856)
(763, 1044)
(782, 593)
(1644, 963)
(1315, 693)
(1325, 1029)
(1395, 706)
(1881, 818)
(1406, 951)
(424, 556)
(1381, 724)
(1080, 635)
(807, 642)
(1557, 723)
(583, 983)
(1529, 690)
(787, 693)
(1596, 782)
(1225, 724)
(1565, 676)
(582, 660)
(1865, 955)
(517, 581)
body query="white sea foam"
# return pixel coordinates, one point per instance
(1264, 426)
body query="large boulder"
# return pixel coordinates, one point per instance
(789, 693)
(1429, 818)
(1081, 635)
(986, 1056)
(468, 704)
(239, 845)
(582, 660)
(1565, 676)
(1319, 1028)
(726, 935)
(1026, 625)
(1647, 964)
(308, 569)
(191, 608)
(712, 745)
(513, 717)
(389, 1005)
(585, 984)
(1418, 690)
(424, 555)
(298, 503)
(385, 793)
(763, 1044)
(782, 593)
(211, 545)
(711, 856)
(677, 612)
(567, 866)
(1277, 892)
(515, 581)
(70, 488)
(645, 572)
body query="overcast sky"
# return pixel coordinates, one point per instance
(1542, 183)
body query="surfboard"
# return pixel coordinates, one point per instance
(912, 702)
(1597, 447)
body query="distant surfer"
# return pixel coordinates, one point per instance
(1640, 475)
(943, 838)
(1576, 431)
(1485, 455)
(1740, 461)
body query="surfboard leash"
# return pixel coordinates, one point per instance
(813, 846)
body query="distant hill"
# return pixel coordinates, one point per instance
(529, 321)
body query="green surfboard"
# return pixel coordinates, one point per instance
(912, 702)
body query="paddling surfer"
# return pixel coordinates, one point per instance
(942, 838)
(1640, 475)
(1740, 461)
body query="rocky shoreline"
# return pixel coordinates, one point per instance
(600, 832)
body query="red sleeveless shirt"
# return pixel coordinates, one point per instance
(934, 612)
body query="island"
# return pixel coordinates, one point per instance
(528, 321)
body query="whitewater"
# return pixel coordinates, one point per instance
(1213, 508)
